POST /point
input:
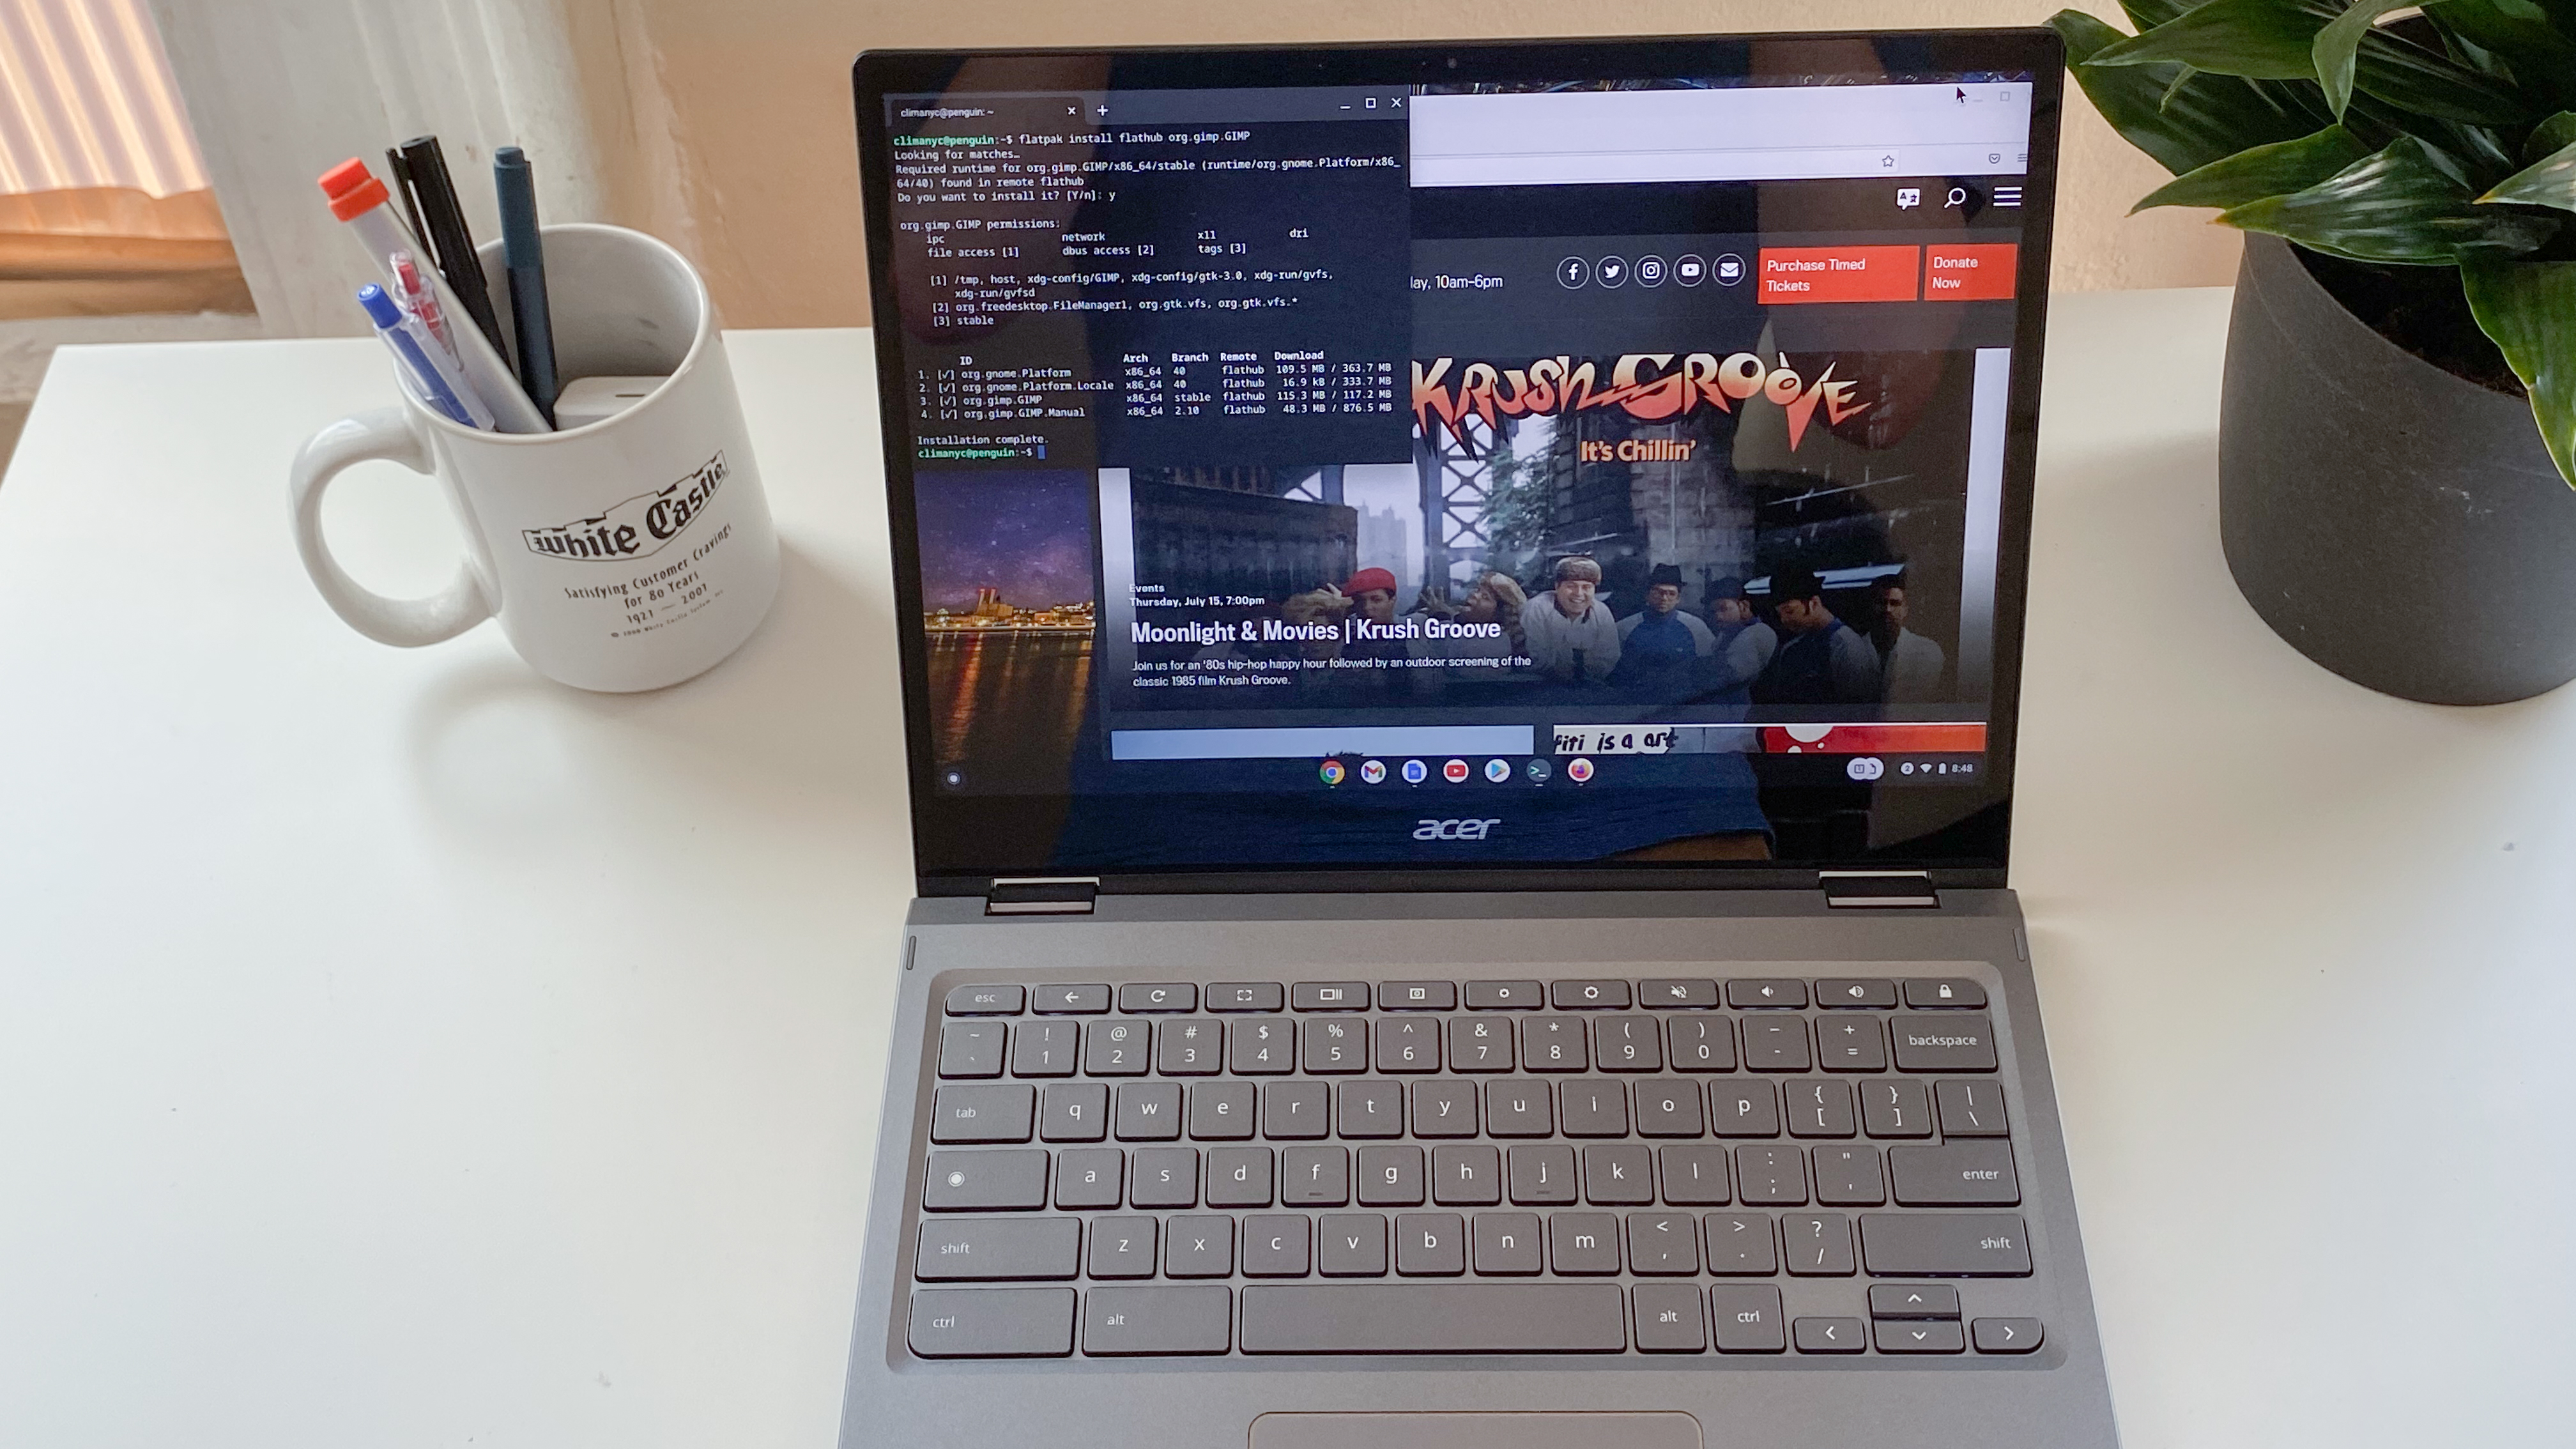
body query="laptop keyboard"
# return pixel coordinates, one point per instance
(1466, 1167)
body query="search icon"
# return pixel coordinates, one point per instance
(1958, 196)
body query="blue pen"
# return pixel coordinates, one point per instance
(523, 252)
(440, 385)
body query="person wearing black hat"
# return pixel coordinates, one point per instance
(1822, 660)
(1745, 644)
(1659, 646)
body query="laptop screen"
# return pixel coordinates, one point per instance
(1564, 455)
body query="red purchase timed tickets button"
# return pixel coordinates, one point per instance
(1839, 274)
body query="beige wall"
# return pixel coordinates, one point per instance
(730, 119)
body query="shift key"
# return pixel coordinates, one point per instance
(1000, 1179)
(1945, 1245)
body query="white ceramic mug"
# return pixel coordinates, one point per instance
(629, 554)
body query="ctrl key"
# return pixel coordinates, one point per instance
(992, 1322)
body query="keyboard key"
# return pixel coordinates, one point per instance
(1466, 1174)
(1971, 1109)
(1518, 1109)
(1444, 1109)
(1005, 1112)
(1115, 1048)
(1913, 1300)
(1693, 1175)
(1149, 1112)
(997, 1249)
(1430, 1245)
(1743, 1109)
(1089, 1177)
(1434, 1318)
(1897, 1108)
(1831, 1335)
(1275, 1245)
(1166, 1177)
(1669, 1107)
(1480, 1044)
(1945, 1245)
(1542, 1175)
(1223, 1111)
(1701, 1043)
(2007, 1335)
(1553, 1044)
(1668, 1318)
(971, 1048)
(1628, 1044)
(1196, 1246)
(1588, 995)
(1593, 1107)
(1944, 1043)
(986, 1000)
(1334, 1047)
(1329, 996)
(1660, 1244)
(991, 1322)
(1069, 1000)
(1121, 1247)
(1817, 1245)
(1504, 995)
(1158, 1320)
(1740, 1244)
(1158, 996)
(996, 1179)
(1351, 1245)
(1074, 1112)
(1776, 992)
(1261, 1048)
(1849, 1177)
(1846, 993)
(1955, 1174)
(1922, 1335)
(1391, 1177)
(1314, 1177)
(1766, 1176)
(1045, 1048)
(1618, 1174)
(1776, 1044)
(1296, 1111)
(1369, 1109)
(1819, 1109)
(1408, 1045)
(1583, 1243)
(1851, 1044)
(1238, 1177)
(1946, 991)
(1667, 992)
(1246, 996)
(1194, 1048)
(1746, 1317)
(1508, 1244)
(1417, 996)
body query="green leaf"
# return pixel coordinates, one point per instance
(2529, 308)
(2183, 120)
(2396, 206)
(2516, 36)
(2338, 47)
(2263, 39)
(2550, 181)
(2260, 171)
(2559, 130)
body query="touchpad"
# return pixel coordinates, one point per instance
(1475, 1431)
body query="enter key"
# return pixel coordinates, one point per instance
(1955, 1174)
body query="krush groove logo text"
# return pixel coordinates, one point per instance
(638, 527)
(1651, 387)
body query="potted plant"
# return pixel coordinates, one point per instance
(2405, 314)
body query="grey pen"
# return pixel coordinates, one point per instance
(523, 252)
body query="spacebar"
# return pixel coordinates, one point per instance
(1434, 1318)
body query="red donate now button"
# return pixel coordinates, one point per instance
(1969, 274)
(1839, 274)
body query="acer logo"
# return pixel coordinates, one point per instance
(1452, 829)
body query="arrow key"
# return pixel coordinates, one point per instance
(2007, 1335)
(1936, 1335)
(1830, 1335)
(1913, 1300)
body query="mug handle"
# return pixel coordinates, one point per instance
(383, 433)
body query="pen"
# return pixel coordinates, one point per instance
(443, 387)
(358, 199)
(523, 249)
(451, 246)
(417, 299)
(400, 170)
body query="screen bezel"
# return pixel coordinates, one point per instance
(953, 834)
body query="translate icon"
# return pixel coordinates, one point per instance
(1908, 197)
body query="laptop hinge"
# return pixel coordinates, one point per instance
(1042, 895)
(1878, 888)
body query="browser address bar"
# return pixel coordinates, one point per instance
(1777, 163)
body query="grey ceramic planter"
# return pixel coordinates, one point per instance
(2394, 523)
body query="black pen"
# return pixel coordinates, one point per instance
(424, 168)
(523, 249)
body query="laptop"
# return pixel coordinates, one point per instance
(1461, 616)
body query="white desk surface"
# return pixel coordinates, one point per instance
(397, 1049)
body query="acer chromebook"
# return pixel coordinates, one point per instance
(1461, 616)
